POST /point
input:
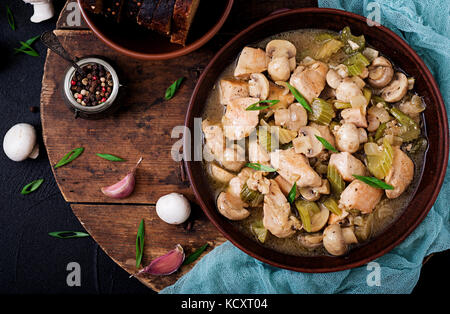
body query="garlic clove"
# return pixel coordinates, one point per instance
(124, 187)
(166, 264)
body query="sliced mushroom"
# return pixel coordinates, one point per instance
(314, 193)
(231, 206)
(258, 86)
(251, 60)
(279, 93)
(281, 48)
(307, 143)
(292, 118)
(219, 173)
(333, 240)
(319, 220)
(349, 235)
(311, 241)
(380, 72)
(396, 89)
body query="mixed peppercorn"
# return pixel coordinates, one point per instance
(94, 87)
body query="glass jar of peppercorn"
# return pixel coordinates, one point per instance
(91, 94)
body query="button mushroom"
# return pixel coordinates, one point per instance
(310, 241)
(333, 240)
(396, 89)
(333, 78)
(348, 89)
(231, 206)
(251, 60)
(282, 54)
(219, 173)
(307, 143)
(292, 118)
(348, 137)
(380, 72)
(173, 208)
(258, 86)
(20, 143)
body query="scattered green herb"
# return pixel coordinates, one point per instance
(191, 258)
(256, 107)
(10, 17)
(70, 156)
(292, 193)
(299, 97)
(32, 186)
(109, 157)
(259, 167)
(140, 243)
(68, 234)
(170, 92)
(326, 144)
(374, 182)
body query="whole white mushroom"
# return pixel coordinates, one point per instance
(20, 143)
(173, 208)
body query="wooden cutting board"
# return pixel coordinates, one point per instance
(142, 127)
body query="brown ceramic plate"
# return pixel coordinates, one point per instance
(138, 42)
(435, 116)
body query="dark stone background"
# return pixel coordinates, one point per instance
(30, 260)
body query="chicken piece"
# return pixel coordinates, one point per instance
(401, 173)
(237, 122)
(347, 165)
(295, 167)
(277, 213)
(310, 80)
(348, 89)
(282, 94)
(292, 118)
(230, 89)
(358, 195)
(231, 157)
(324, 132)
(284, 185)
(257, 153)
(355, 116)
(251, 60)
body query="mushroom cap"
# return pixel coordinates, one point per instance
(19, 141)
(258, 86)
(333, 240)
(396, 89)
(279, 69)
(380, 72)
(173, 208)
(281, 48)
(307, 142)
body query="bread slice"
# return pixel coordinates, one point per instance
(183, 14)
(145, 14)
(162, 17)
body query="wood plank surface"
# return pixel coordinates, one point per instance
(114, 228)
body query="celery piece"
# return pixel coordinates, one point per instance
(328, 48)
(306, 209)
(251, 197)
(336, 182)
(322, 112)
(332, 205)
(258, 229)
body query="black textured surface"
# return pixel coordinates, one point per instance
(30, 260)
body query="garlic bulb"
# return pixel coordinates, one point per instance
(43, 10)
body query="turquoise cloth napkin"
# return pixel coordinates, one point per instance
(426, 27)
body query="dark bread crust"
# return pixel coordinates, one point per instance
(183, 14)
(145, 14)
(94, 6)
(162, 17)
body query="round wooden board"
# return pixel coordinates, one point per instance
(141, 128)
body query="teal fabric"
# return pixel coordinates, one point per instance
(425, 25)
